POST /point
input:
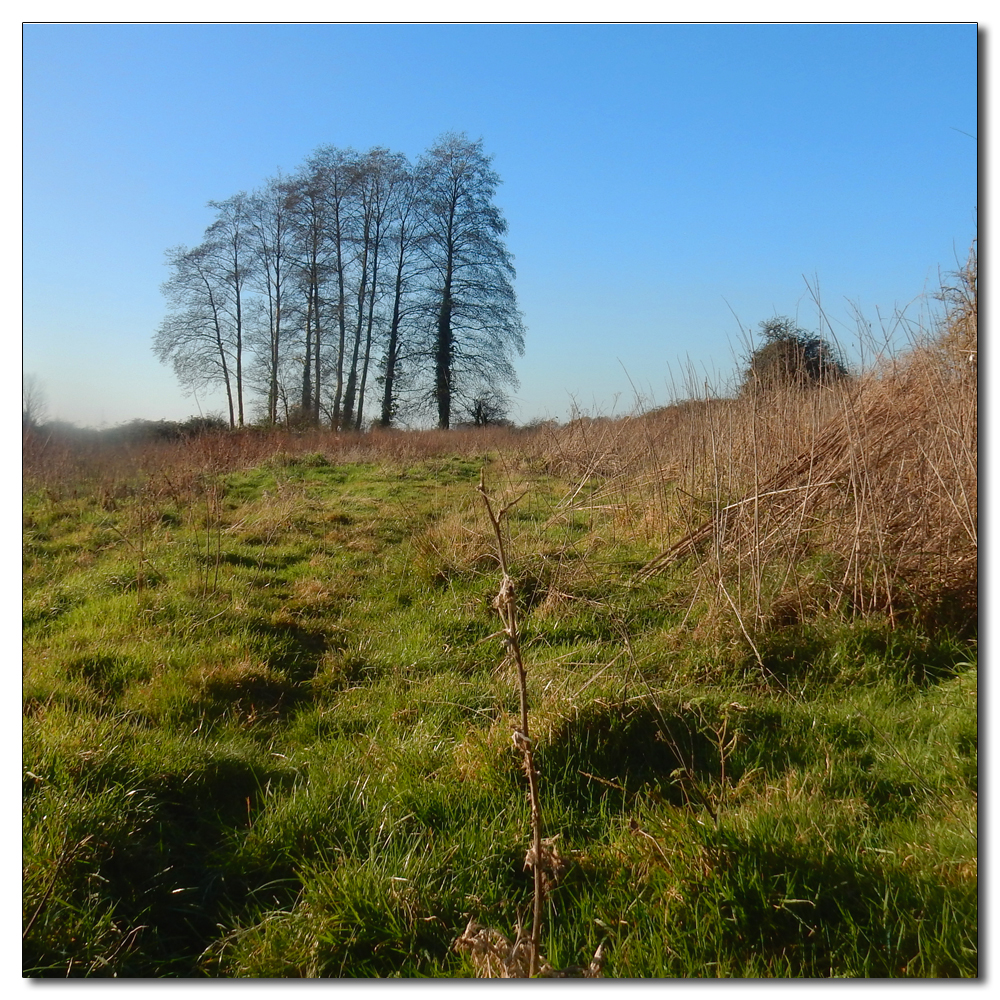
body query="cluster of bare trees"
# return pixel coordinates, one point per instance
(360, 279)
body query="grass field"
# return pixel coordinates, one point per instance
(268, 713)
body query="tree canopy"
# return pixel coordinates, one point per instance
(358, 274)
(791, 356)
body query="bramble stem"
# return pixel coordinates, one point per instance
(506, 604)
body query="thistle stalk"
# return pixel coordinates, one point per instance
(506, 604)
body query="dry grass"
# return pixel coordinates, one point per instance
(494, 956)
(82, 462)
(860, 496)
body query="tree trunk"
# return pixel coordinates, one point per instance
(364, 373)
(388, 401)
(225, 374)
(442, 360)
(316, 356)
(307, 363)
(341, 303)
(239, 349)
(272, 390)
(222, 352)
(352, 376)
(368, 338)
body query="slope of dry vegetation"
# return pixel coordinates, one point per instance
(268, 717)
(875, 477)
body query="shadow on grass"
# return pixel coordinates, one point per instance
(798, 911)
(161, 865)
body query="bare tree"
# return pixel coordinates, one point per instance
(228, 240)
(310, 251)
(476, 326)
(196, 337)
(333, 174)
(406, 236)
(488, 407)
(382, 176)
(34, 404)
(270, 224)
(364, 237)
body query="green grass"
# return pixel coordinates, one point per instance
(268, 734)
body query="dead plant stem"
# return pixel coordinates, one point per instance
(506, 604)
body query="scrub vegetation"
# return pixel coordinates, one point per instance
(269, 705)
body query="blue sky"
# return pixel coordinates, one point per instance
(664, 185)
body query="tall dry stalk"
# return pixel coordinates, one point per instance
(492, 954)
(506, 604)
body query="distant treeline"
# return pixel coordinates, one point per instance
(360, 282)
(134, 431)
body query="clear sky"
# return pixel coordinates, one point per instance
(664, 184)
